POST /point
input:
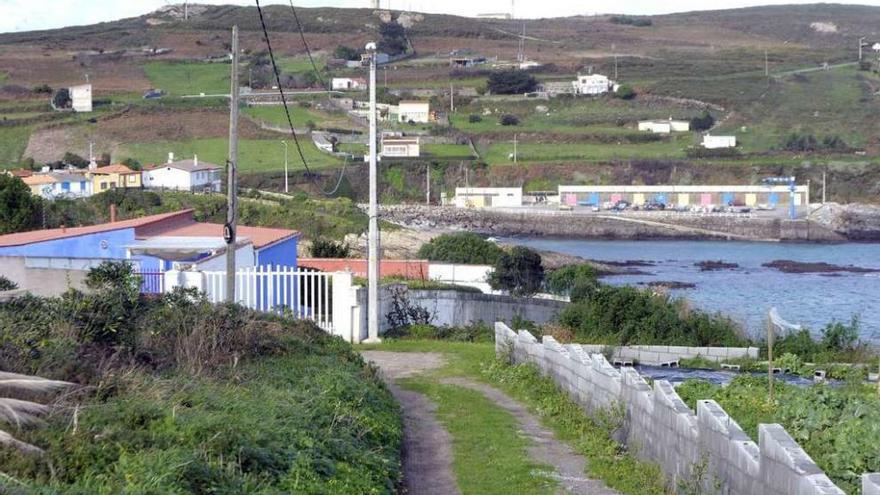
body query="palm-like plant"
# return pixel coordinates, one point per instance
(18, 412)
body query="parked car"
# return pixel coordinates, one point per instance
(620, 206)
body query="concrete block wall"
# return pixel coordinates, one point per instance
(662, 429)
(659, 354)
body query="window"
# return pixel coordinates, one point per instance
(65, 186)
(103, 186)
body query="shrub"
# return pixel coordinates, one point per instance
(702, 122)
(346, 53)
(474, 118)
(564, 280)
(511, 82)
(461, 247)
(107, 313)
(19, 209)
(625, 92)
(62, 98)
(509, 119)
(629, 20)
(6, 284)
(326, 248)
(518, 272)
(405, 313)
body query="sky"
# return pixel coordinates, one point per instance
(25, 15)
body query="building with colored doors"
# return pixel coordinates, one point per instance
(689, 195)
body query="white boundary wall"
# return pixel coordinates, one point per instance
(662, 429)
(661, 354)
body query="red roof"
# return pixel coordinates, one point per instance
(21, 238)
(176, 224)
(114, 169)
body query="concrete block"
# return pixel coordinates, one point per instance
(871, 484)
(648, 357)
(716, 351)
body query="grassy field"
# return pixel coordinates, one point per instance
(189, 78)
(13, 141)
(301, 116)
(498, 153)
(255, 155)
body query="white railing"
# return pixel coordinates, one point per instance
(284, 290)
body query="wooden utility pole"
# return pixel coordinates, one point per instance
(232, 179)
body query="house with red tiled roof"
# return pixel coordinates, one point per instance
(112, 177)
(153, 244)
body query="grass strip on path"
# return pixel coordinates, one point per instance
(589, 437)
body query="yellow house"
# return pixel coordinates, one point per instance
(113, 176)
(38, 183)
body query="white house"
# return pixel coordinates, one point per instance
(81, 97)
(183, 175)
(52, 185)
(592, 84)
(400, 147)
(715, 142)
(414, 111)
(664, 126)
(876, 47)
(478, 197)
(348, 84)
(323, 142)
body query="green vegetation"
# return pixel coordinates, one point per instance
(571, 279)
(182, 396)
(477, 332)
(461, 247)
(518, 272)
(13, 141)
(19, 209)
(628, 20)
(498, 154)
(490, 453)
(346, 53)
(835, 425)
(327, 248)
(702, 122)
(189, 78)
(255, 155)
(625, 92)
(590, 437)
(511, 82)
(6, 284)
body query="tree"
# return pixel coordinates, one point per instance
(19, 209)
(703, 122)
(6, 284)
(625, 92)
(393, 41)
(511, 82)
(75, 160)
(62, 98)
(346, 53)
(474, 118)
(326, 248)
(518, 272)
(462, 247)
(132, 163)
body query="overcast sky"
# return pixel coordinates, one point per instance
(24, 15)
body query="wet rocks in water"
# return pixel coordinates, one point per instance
(789, 266)
(671, 285)
(714, 265)
(628, 263)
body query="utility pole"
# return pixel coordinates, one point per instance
(823, 187)
(451, 98)
(766, 64)
(232, 180)
(615, 67)
(861, 44)
(514, 149)
(428, 184)
(770, 358)
(286, 186)
(373, 240)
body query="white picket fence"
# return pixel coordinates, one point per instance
(283, 290)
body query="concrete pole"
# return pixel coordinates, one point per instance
(770, 358)
(861, 40)
(286, 185)
(232, 165)
(514, 149)
(428, 184)
(373, 239)
(451, 99)
(823, 187)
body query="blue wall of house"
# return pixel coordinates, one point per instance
(280, 254)
(81, 246)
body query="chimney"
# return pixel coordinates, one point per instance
(170, 157)
(93, 164)
(112, 213)
(196, 160)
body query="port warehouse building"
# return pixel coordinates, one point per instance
(776, 195)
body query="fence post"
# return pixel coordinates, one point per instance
(186, 279)
(344, 299)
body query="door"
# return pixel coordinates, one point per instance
(594, 198)
(774, 199)
(616, 197)
(751, 199)
(705, 199)
(727, 198)
(638, 199)
(684, 199)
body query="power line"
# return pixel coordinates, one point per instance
(287, 110)
(306, 45)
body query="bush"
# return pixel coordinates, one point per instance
(461, 247)
(108, 313)
(476, 332)
(702, 122)
(629, 20)
(807, 143)
(6, 284)
(625, 92)
(326, 248)
(511, 82)
(518, 272)
(19, 209)
(509, 119)
(346, 53)
(563, 281)
(405, 313)
(62, 98)
(474, 118)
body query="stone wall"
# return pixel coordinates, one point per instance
(662, 429)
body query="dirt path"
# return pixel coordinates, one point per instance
(427, 447)
(546, 449)
(427, 456)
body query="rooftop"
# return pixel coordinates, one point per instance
(187, 165)
(21, 238)
(114, 169)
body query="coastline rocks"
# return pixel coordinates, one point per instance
(789, 266)
(671, 285)
(711, 266)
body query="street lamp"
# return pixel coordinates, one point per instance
(286, 185)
